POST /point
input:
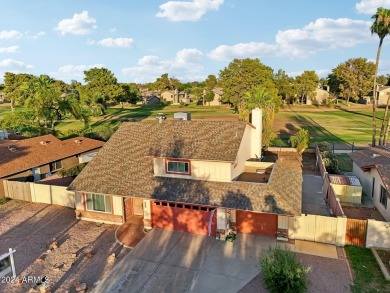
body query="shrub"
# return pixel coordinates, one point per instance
(323, 146)
(282, 272)
(72, 171)
(300, 140)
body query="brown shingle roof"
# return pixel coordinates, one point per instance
(375, 157)
(18, 156)
(122, 168)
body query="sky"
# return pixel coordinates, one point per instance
(141, 40)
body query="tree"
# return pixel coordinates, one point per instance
(130, 94)
(241, 76)
(210, 82)
(382, 80)
(197, 92)
(352, 79)
(286, 85)
(209, 97)
(258, 97)
(307, 83)
(381, 27)
(163, 83)
(101, 86)
(12, 83)
(300, 140)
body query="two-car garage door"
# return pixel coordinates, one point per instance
(184, 217)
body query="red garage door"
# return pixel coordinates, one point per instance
(256, 223)
(181, 217)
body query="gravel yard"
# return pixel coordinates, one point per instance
(83, 254)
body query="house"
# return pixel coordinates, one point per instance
(383, 94)
(202, 177)
(149, 97)
(372, 167)
(33, 158)
(321, 96)
(217, 97)
(176, 97)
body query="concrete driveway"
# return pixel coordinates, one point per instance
(173, 261)
(312, 199)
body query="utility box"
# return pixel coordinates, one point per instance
(182, 116)
(3, 134)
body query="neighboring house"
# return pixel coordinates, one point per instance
(383, 94)
(372, 167)
(217, 97)
(321, 95)
(201, 177)
(176, 97)
(149, 97)
(33, 158)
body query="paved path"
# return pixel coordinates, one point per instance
(173, 261)
(312, 200)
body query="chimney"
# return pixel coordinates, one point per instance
(256, 134)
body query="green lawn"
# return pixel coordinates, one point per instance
(367, 274)
(339, 124)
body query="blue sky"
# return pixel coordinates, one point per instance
(140, 40)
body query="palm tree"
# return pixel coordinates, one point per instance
(381, 27)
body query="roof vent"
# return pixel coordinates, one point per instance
(12, 149)
(44, 142)
(78, 141)
(376, 155)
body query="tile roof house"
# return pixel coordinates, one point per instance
(31, 159)
(372, 167)
(184, 175)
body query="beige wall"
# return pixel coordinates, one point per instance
(366, 181)
(382, 98)
(243, 154)
(70, 162)
(51, 194)
(202, 170)
(378, 234)
(318, 229)
(348, 193)
(167, 96)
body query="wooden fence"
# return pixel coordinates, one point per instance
(17, 190)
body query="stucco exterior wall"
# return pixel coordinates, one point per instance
(70, 162)
(201, 170)
(243, 154)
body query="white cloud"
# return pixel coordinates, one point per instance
(12, 34)
(370, 6)
(186, 66)
(187, 10)
(70, 71)
(80, 24)
(118, 42)
(11, 49)
(14, 64)
(322, 34)
(38, 35)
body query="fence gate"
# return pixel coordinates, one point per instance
(356, 232)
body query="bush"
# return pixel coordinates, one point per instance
(323, 146)
(300, 140)
(282, 272)
(72, 171)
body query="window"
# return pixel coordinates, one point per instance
(54, 166)
(178, 167)
(383, 198)
(99, 203)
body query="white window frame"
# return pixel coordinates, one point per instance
(107, 198)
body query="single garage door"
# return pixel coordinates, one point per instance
(188, 218)
(256, 223)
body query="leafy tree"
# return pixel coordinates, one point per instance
(286, 85)
(307, 83)
(209, 97)
(382, 79)
(381, 27)
(241, 76)
(12, 83)
(282, 272)
(101, 86)
(300, 140)
(19, 121)
(197, 92)
(210, 82)
(163, 83)
(352, 78)
(260, 98)
(130, 94)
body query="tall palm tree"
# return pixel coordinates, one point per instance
(381, 27)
